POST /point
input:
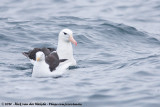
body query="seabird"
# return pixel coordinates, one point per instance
(44, 65)
(32, 53)
(64, 48)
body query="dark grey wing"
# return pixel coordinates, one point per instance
(32, 53)
(46, 51)
(52, 60)
(25, 54)
(52, 49)
(62, 60)
(56, 56)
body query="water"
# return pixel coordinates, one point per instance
(118, 52)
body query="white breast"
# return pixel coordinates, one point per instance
(41, 69)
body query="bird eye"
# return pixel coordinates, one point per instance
(65, 33)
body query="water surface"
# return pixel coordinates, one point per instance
(117, 54)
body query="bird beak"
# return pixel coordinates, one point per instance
(38, 59)
(71, 39)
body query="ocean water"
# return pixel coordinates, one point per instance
(118, 52)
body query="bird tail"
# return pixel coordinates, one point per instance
(62, 60)
(25, 54)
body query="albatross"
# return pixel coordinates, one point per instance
(64, 48)
(32, 53)
(44, 65)
(64, 52)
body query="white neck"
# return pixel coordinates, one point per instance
(40, 69)
(65, 51)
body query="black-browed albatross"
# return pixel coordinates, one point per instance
(64, 50)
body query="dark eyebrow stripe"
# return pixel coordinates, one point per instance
(65, 33)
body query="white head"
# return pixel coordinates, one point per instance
(40, 56)
(66, 35)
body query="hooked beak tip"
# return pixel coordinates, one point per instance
(72, 40)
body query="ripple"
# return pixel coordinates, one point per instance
(21, 67)
(99, 97)
(117, 54)
(143, 73)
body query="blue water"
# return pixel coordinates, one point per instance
(118, 52)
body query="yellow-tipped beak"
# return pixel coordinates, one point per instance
(71, 39)
(38, 59)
